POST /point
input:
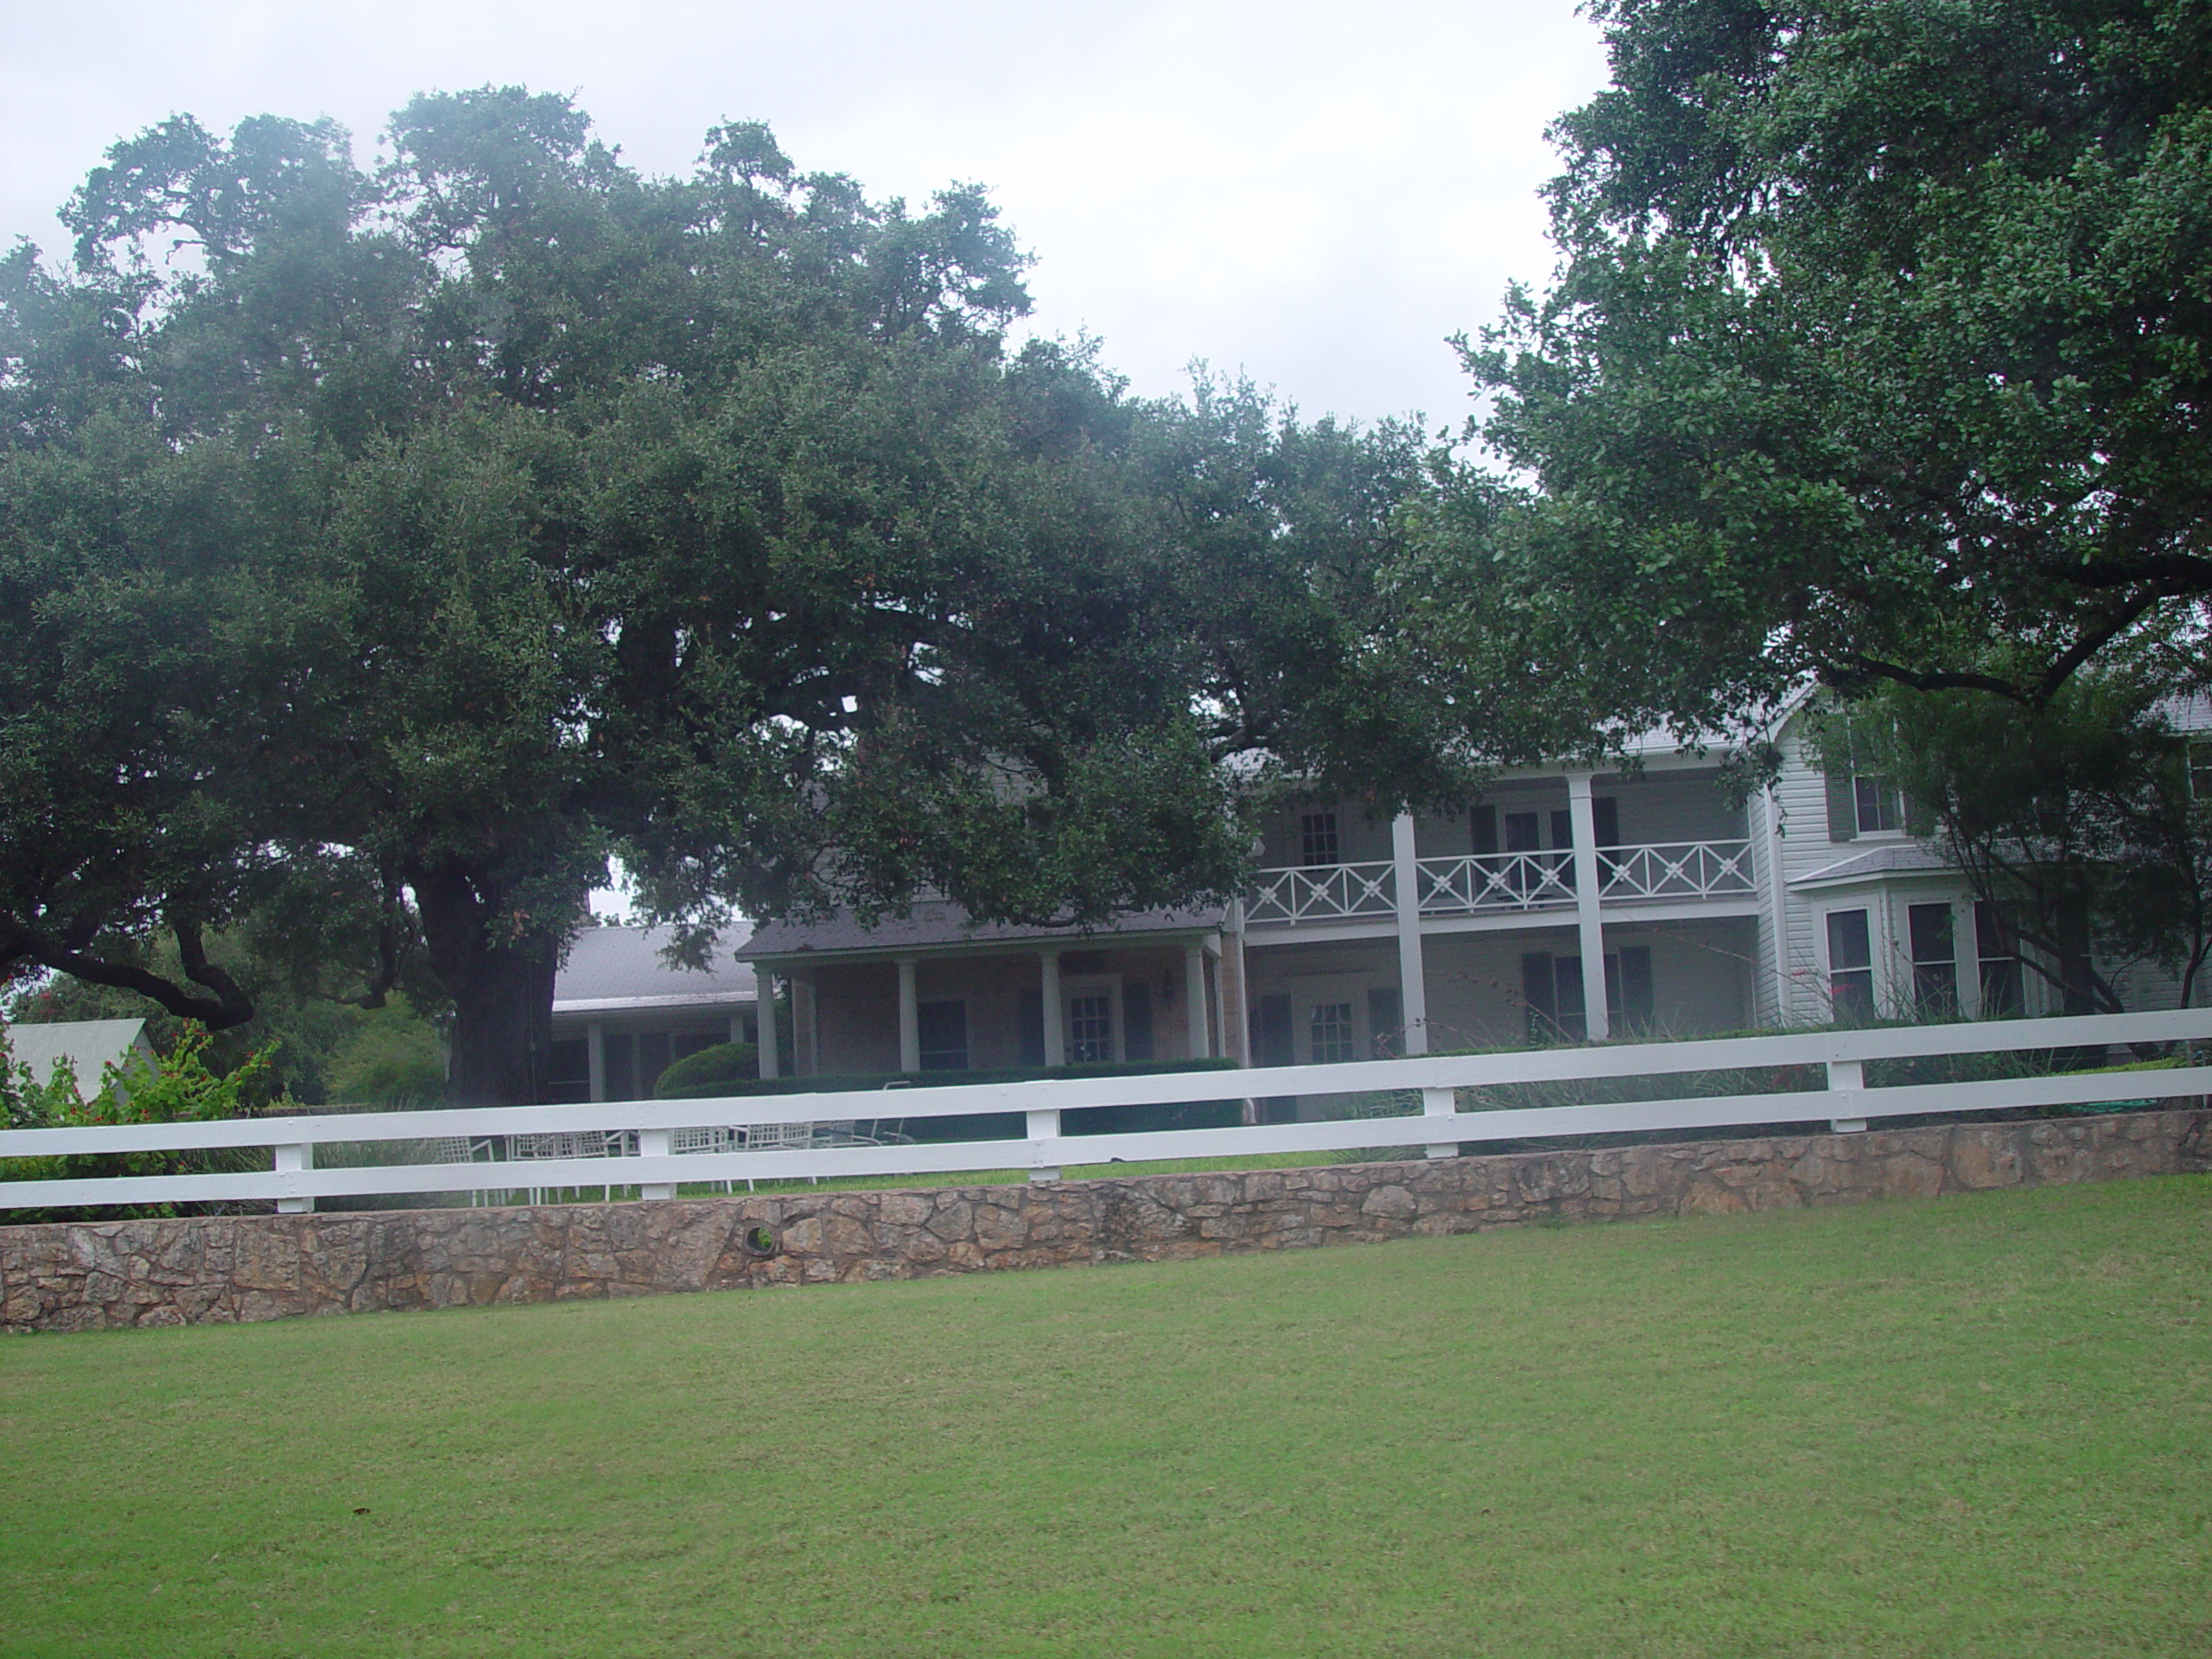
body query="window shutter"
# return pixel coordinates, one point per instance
(1483, 824)
(1271, 1031)
(1032, 1026)
(1605, 819)
(1539, 989)
(1385, 1021)
(1136, 1019)
(1843, 808)
(1919, 822)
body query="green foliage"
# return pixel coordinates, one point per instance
(447, 529)
(392, 1057)
(1881, 350)
(2077, 818)
(178, 1088)
(708, 1071)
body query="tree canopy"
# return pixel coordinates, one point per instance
(1880, 351)
(387, 549)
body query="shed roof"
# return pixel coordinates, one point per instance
(1895, 858)
(86, 1044)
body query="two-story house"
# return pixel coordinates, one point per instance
(1363, 935)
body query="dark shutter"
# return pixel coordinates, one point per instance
(1606, 815)
(1032, 1026)
(1634, 1007)
(1271, 1031)
(1136, 1019)
(1919, 822)
(1562, 829)
(1483, 820)
(1540, 992)
(1385, 1021)
(1843, 808)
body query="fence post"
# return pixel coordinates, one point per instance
(288, 1160)
(1043, 1126)
(1440, 1103)
(1847, 1077)
(654, 1143)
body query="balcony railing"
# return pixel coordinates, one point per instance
(1324, 893)
(1680, 869)
(1483, 883)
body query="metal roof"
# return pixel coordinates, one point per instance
(614, 968)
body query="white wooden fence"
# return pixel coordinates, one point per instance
(1441, 1127)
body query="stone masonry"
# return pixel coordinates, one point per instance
(77, 1276)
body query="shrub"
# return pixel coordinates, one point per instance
(710, 1071)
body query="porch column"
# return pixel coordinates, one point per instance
(910, 1019)
(1236, 988)
(596, 1046)
(1596, 1017)
(1194, 998)
(765, 1020)
(1056, 1036)
(1413, 979)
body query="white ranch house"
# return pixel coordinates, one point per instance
(1363, 938)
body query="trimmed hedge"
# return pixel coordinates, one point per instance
(711, 1070)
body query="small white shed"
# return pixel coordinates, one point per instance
(86, 1044)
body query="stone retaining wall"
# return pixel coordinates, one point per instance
(75, 1276)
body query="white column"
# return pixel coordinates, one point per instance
(1194, 999)
(1412, 980)
(1236, 989)
(596, 1046)
(910, 1019)
(1596, 1015)
(764, 1019)
(1768, 830)
(1056, 1036)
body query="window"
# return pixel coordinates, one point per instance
(1997, 950)
(2200, 771)
(1851, 967)
(1552, 988)
(1330, 1034)
(1874, 801)
(1090, 1028)
(1524, 832)
(1935, 961)
(943, 1028)
(1317, 839)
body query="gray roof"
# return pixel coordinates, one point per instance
(614, 968)
(1894, 858)
(87, 1045)
(937, 925)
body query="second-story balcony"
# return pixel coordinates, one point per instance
(1490, 883)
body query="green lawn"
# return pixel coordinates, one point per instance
(1977, 1426)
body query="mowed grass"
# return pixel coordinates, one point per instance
(1981, 1426)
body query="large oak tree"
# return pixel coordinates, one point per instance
(383, 552)
(1880, 350)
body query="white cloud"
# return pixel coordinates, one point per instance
(1313, 193)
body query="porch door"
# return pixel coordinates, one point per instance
(1091, 1013)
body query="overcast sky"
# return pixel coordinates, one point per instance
(1317, 194)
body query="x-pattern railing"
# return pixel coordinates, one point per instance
(1533, 880)
(1682, 869)
(1324, 893)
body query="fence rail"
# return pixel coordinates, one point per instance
(1442, 1126)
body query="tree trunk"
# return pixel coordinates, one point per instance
(502, 989)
